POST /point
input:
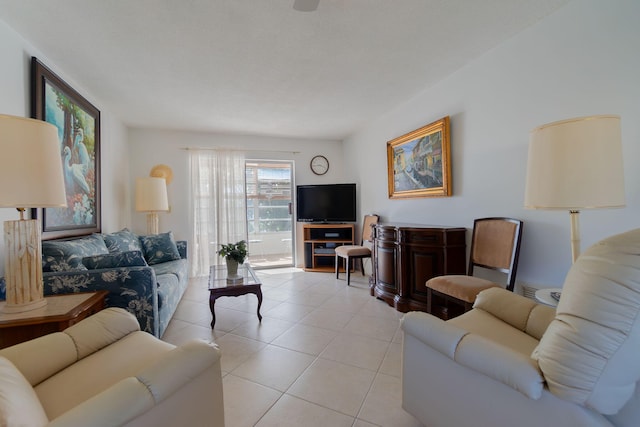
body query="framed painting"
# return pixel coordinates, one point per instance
(78, 123)
(419, 162)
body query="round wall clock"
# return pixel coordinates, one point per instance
(319, 165)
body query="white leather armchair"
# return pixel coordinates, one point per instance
(104, 371)
(510, 361)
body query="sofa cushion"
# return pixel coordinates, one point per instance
(160, 248)
(516, 310)
(115, 260)
(19, 404)
(99, 371)
(462, 287)
(67, 255)
(589, 353)
(122, 241)
(487, 325)
(172, 278)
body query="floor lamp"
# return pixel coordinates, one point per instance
(151, 197)
(576, 164)
(31, 177)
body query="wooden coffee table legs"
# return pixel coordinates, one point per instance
(234, 291)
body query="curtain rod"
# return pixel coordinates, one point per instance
(234, 149)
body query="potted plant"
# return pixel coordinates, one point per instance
(234, 254)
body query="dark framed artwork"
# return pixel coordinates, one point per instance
(419, 162)
(78, 123)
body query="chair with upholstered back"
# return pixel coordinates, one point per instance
(350, 252)
(495, 245)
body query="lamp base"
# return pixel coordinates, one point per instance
(152, 223)
(23, 266)
(21, 308)
(574, 216)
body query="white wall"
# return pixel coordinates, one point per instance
(582, 60)
(15, 99)
(151, 147)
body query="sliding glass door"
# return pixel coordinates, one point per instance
(269, 189)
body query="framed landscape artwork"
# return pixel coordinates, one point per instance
(78, 124)
(419, 163)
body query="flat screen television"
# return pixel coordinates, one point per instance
(326, 203)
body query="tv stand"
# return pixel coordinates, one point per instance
(320, 241)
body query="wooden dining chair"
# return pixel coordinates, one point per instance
(351, 252)
(495, 245)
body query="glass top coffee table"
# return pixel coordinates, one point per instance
(222, 286)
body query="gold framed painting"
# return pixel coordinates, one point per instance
(419, 162)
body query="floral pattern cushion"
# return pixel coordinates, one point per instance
(122, 241)
(114, 260)
(68, 255)
(132, 288)
(160, 248)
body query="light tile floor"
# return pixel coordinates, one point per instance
(324, 355)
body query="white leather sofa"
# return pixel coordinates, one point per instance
(512, 362)
(103, 372)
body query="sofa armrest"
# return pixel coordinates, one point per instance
(131, 288)
(434, 332)
(522, 313)
(40, 358)
(475, 352)
(177, 367)
(133, 396)
(101, 329)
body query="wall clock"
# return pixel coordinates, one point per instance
(319, 165)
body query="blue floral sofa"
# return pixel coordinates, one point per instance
(146, 275)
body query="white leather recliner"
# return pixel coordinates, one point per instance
(512, 362)
(103, 372)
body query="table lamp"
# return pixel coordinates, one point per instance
(31, 177)
(575, 164)
(151, 197)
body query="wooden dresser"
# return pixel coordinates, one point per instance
(405, 256)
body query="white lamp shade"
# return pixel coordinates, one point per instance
(576, 164)
(30, 164)
(151, 195)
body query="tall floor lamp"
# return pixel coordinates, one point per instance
(31, 177)
(575, 164)
(151, 197)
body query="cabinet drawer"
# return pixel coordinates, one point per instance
(386, 234)
(422, 237)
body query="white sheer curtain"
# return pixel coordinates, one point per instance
(218, 204)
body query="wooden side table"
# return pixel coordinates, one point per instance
(60, 312)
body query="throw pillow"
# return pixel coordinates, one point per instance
(67, 255)
(115, 260)
(19, 404)
(159, 248)
(122, 241)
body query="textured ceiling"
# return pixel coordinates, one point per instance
(258, 66)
